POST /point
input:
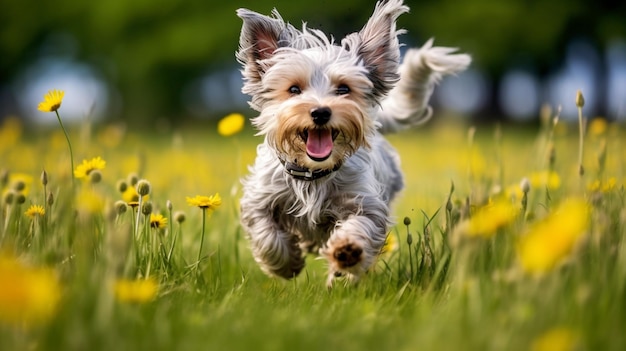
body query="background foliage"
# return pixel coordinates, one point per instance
(148, 51)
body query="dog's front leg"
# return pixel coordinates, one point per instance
(356, 241)
(274, 249)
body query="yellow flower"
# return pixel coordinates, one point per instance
(231, 124)
(205, 202)
(89, 202)
(603, 187)
(35, 211)
(141, 290)
(130, 195)
(557, 339)
(488, 219)
(51, 101)
(10, 132)
(545, 179)
(83, 170)
(28, 295)
(391, 245)
(551, 240)
(598, 126)
(157, 221)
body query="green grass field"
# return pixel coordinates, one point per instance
(485, 267)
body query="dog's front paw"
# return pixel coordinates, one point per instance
(347, 255)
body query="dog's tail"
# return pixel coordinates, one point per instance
(407, 103)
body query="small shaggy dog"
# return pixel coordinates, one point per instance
(324, 175)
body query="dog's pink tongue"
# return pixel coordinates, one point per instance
(319, 143)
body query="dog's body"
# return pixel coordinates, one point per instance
(324, 176)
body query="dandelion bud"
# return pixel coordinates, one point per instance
(407, 221)
(143, 187)
(20, 198)
(44, 177)
(133, 179)
(168, 204)
(50, 199)
(551, 156)
(580, 99)
(120, 207)
(525, 185)
(146, 208)
(545, 114)
(449, 205)
(9, 197)
(4, 177)
(122, 185)
(19, 185)
(409, 238)
(95, 176)
(581, 170)
(179, 217)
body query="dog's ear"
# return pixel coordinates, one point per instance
(260, 37)
(377, 44)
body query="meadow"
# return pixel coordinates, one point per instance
(132, 242)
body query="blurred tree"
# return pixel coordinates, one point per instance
(149, 50)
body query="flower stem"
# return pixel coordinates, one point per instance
(202, 236)
(581, 129)
(69, 144)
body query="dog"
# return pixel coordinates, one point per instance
(324, 176)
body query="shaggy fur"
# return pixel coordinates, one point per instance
(324, 175)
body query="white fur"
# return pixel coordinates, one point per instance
(344, 215)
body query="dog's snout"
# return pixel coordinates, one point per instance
(321, 115)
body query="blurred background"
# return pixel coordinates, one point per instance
(172, 61)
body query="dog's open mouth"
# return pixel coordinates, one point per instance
(319, 142)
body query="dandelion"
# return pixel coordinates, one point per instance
(29, 295)
(157, 221)
(545, 179)
(598, 126)
(488, 219)
(89, 203)
(35, 211)
(550, 241)
(391, 245)
(205, 203)
(51, 103)
(130, 195)
(556, 339)
(604, 187)
(136, 291)
(84, 170)
(231, 124)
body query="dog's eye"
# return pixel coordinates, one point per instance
(295, 90)
(342, 90)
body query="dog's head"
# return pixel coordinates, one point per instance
(316, 98)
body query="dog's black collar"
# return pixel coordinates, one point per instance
(303, 173)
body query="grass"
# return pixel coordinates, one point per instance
(443, 287)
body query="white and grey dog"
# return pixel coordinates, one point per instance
(324, 175)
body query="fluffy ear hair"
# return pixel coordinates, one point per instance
(260, 37)
(377, 44)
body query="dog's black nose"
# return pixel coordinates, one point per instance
(321, 115)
